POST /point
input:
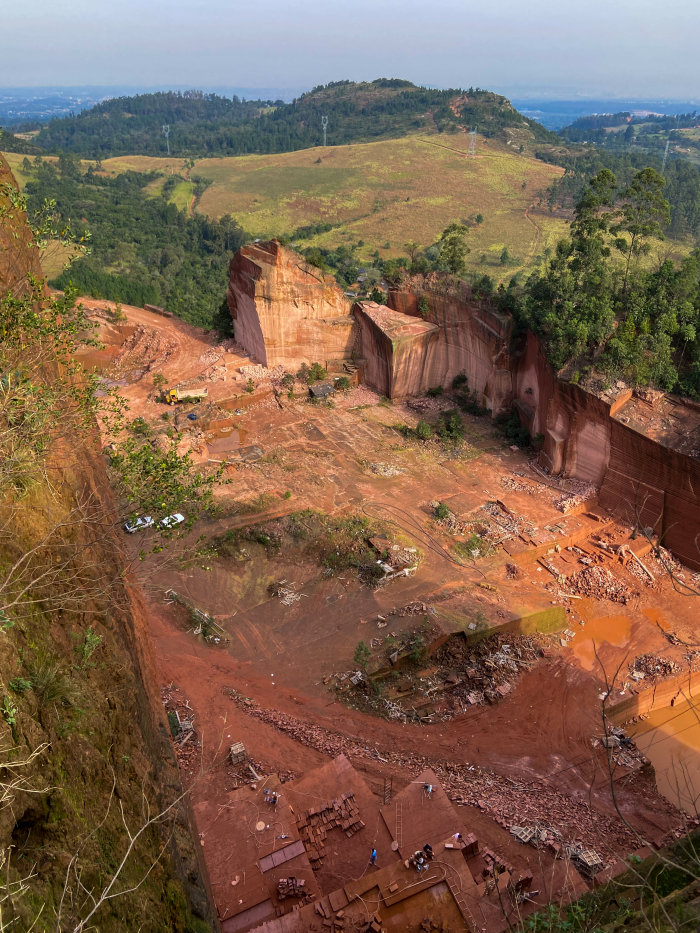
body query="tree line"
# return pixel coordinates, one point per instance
(143, 249)
(601, 305)
(681, 189)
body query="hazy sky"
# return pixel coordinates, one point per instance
(599, 47)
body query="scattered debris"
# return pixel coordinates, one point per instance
(652, 667)
(385, 469)
(285, 592)
(599, 583)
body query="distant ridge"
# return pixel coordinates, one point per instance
(209, 125)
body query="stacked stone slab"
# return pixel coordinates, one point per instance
(316, 823)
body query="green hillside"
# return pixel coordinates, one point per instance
(207, 125)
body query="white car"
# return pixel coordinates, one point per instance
(138, 524)
(172, 521)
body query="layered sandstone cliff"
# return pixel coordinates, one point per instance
(647, 468)
(471, 338)
(285, 311)
(397, 350)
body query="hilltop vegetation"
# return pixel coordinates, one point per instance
(597, 305)
(202, 125)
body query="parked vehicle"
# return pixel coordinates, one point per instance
(138, 524)
(172, 521)
(171, 396)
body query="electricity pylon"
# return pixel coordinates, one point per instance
(324, 124)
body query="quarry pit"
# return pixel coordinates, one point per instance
(558, 579)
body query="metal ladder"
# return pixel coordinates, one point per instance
(462, 904)
(388, 789)
(399, 825)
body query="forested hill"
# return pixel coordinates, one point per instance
(204, 124)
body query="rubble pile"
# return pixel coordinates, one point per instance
(514, 485)
(315, 824)
(641, 574)
(181, 718)
(513, 572)
(385, 469)
(486, 672)
(599, 583)
(504, 801)
(577, 493)
(652, 667)
(146, 349)
(257, 371)
(425, 405)
(412, 609)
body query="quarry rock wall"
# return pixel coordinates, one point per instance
(471, 338)
(397, 349)
(102, 746)
(285, 311)
(639, 477)
(583, 434)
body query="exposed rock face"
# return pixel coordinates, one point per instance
(471, 338)
(104, 748)
(286, 311)
(397, 349)
(643, 473)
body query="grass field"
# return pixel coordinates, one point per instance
(383, 193)
(390, 192)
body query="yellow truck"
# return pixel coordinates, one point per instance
(171, 396)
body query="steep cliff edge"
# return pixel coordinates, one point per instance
(285, 311)
(84, 746)
(472, 338)
(647, 467)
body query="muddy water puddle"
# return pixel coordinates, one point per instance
(670, 738)
(609, 630)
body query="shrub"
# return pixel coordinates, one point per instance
(303, 373)
(378, 296)
(424, 430)
(450, 425)
(441, 510)
(515, 433)
(343, 383)
(471, 404)
(50, 684)
(423, 307)
(250, 386)
(316, 373)
(362, 655)
(435, 391)
(459, 380)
